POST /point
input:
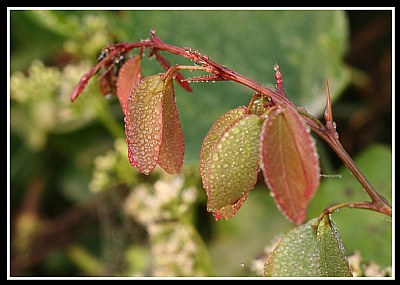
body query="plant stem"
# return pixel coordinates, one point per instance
(380, 203)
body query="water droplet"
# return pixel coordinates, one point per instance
(215, 157)
(235, 131)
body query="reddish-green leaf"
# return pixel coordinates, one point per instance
(128, 76)
(231, 167)
(289, 162)
(211, 140)
(143, 123)
(152, 126)
(173, 144)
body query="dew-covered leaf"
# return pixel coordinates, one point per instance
(289, 162)
(333, 261)
(309, 250)
(211, 140)
(173, 144)
(143, 123)
(295, 255)
(128, 76)
(233, 166)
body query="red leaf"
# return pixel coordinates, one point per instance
(173, 144)
(290, 162)
(128, 76)
(107, 83)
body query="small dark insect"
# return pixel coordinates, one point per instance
(108, 79)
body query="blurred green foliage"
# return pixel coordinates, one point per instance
(68, 157)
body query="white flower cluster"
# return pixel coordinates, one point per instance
(164, 209)
(163, 201)
(112, 168)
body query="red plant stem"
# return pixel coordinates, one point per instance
(221, 71)
(378, 203)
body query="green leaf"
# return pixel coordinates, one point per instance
(333, 261)
(296, 254)
(233, 167)
(289, 162)
(309, 250)
(211, 140)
